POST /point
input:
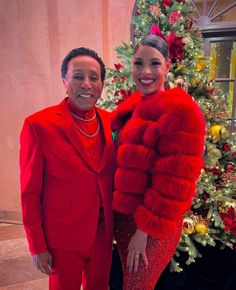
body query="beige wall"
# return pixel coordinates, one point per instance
(35, 36)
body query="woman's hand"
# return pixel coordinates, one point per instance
(136, 249)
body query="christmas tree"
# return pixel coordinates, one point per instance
(213, 213)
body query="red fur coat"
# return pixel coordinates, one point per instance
(160, 147)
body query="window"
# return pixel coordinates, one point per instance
(215, 19)
(222, 52)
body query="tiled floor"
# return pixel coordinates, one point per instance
(16, 269)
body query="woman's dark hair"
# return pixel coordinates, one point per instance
(82, 51)
(156, 42)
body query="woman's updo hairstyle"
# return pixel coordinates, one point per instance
(156, 42)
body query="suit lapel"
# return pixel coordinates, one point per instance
(67, 123)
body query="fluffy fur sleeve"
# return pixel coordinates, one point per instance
(178, 139)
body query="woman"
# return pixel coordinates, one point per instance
(160, 139)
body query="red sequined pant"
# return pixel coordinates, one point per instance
(159, 253)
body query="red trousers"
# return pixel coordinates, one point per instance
(90, 267)
(159, 253)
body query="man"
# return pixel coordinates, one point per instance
(66, 162)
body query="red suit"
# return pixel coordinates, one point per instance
(62, 192)
(160, 147)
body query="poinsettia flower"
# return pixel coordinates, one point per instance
(175, 43)
(118, 66)
(229, 220)
(174, 16)
(176, 46)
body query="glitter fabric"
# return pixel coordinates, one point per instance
(159, 253)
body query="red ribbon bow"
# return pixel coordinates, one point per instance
(174, 42)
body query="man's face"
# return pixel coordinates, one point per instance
(83, 82)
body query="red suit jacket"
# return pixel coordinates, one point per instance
(161, 144)
(60, 190)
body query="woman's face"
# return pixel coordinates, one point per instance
(149, 70)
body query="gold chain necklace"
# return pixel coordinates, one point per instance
(81, 119)
(90, 135)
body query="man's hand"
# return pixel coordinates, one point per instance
(136, 249)
(43, 262)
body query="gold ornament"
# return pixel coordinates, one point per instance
(188, 226)
(201, 228)
(200, 56)
(218, 132)
(180, 66)
(200, 65)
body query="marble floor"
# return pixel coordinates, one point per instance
(16, 269)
